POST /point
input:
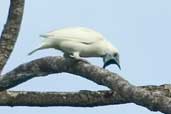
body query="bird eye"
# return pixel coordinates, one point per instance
(115, 55)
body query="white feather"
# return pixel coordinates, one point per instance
(77, 34)
(86, 42)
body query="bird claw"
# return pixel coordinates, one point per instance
(82, 60)
(75, 56)
(77, 59)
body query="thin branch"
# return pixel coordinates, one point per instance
(154, 101)
(11, 30)
(82, 98)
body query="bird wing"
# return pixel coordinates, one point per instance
(77, 34)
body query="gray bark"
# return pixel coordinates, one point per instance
(155, 98)
(44, 99)
(11, 30)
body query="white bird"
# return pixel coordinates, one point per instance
(78, 42)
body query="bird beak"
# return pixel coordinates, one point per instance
(119, 66)
(112, 61)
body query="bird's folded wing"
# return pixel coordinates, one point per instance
(77, 34)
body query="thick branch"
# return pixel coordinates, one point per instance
(83, 98)
(155, 101)
(11, 30)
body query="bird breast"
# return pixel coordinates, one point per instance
(85, 50)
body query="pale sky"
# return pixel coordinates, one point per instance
(140, 29)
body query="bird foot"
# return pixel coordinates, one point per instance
(75, 57)
(81, 60)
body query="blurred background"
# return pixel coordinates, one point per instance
(139, 29)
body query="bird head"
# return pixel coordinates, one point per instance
(111, 58)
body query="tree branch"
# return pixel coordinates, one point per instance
(155, 101)
(82, 98)
(11, 29)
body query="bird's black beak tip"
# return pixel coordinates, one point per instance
(119, 67)
(104, 66)
(112, 62)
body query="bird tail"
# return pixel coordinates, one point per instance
(45, 44)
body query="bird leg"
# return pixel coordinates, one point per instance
(77, 57)
(66, 55)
